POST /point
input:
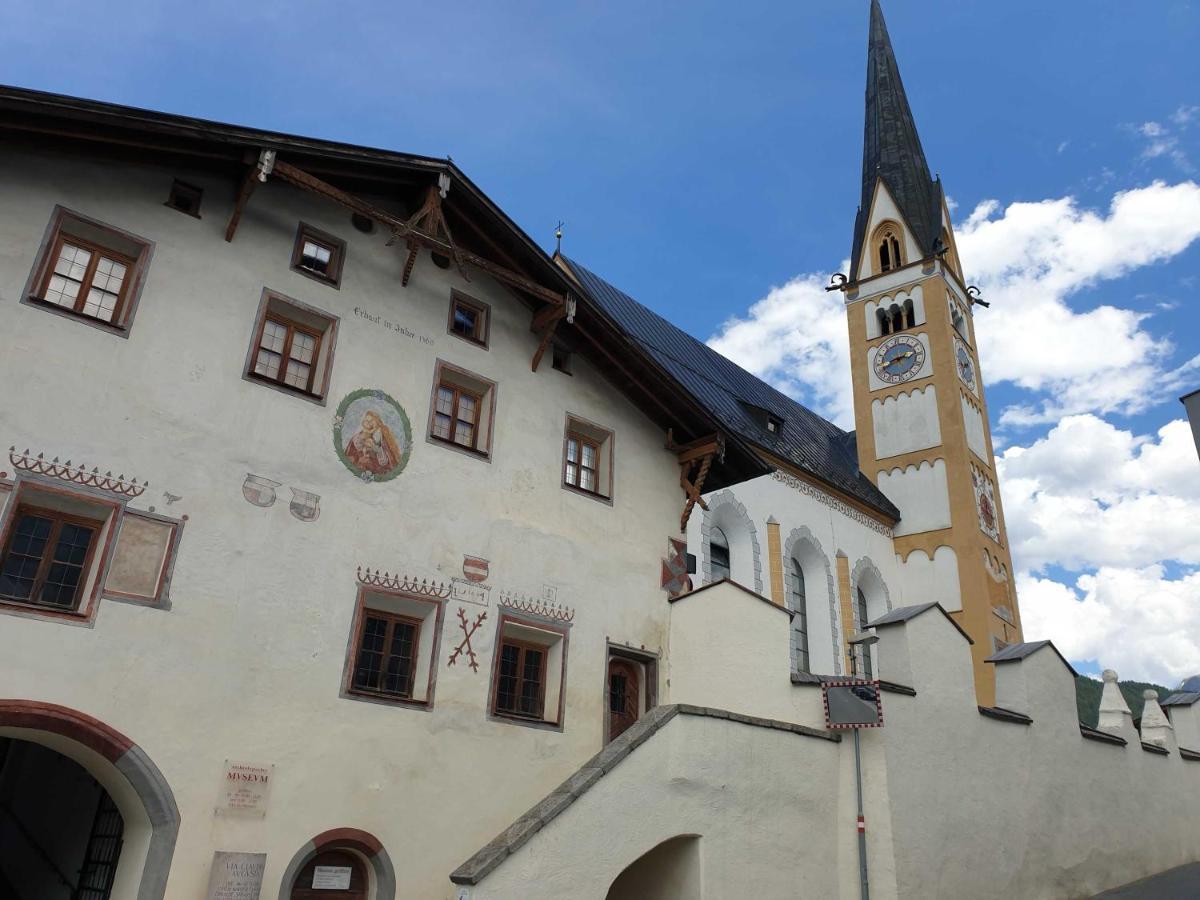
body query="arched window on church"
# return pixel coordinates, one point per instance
(951, 257)
(887, 243)
(800, 619)
(718, 554)
(885, 321)
(864, 670)
(910, 314)
(897, 315)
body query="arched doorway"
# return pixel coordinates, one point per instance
(60, 831)
(332, 875)
(670, 871)
(340, 864)
(90, 816)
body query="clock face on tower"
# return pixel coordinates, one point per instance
(964, 364)
(899, 358)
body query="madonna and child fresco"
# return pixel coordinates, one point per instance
(372, 435)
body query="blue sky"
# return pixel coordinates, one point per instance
(706, 159)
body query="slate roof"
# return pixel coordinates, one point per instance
(1181, 698)
(806, 440)
(1015, 652)
(904, 613)
(892, 148)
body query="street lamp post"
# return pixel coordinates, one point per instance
(860, 642)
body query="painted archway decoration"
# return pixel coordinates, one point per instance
(803, 537)
(720, 506)
(372, 435)
(129, 760)
(365, 844)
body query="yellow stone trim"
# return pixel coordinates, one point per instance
(775, 552)
(847, 604)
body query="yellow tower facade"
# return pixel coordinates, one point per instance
(920, 408)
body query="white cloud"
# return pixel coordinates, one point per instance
(1184, 115)
(1089, 495)
(1162, 141)
(1030, 258)
(1135, 620)
(795, 338)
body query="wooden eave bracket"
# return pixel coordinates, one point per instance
(430, 220)
(546, 320)
(411, 234)
(255, 175)
(695, 456)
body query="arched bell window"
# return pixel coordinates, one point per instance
(887, 247)
(718, 554)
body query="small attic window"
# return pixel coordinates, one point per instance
(774, 424)
(185, 198)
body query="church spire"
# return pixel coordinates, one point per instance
(892, 148)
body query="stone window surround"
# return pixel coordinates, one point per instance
(796, 538)
(137, 275)
(727, 500)
(326, 350)
(562, 635)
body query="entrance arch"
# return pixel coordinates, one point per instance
(670, 871)
(137, 789)
(371, 878)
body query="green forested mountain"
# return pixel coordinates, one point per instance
(1088, 690)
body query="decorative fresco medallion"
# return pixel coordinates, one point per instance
(372, 435)
(259, 490)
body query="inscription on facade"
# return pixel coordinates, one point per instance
(236, 876)
(394, 327)
(245, 790)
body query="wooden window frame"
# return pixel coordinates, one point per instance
(429, 628)
(57, 230)
(183, 189)
(58, 519)
(285, 310)
(648, 664)
(483, 321)
(523, 647)
(577, 429)
(392, 620)
(292, 327)
(581, 440)
(560, 359)
(337, 255)
(459, 393)
(481, 447)
(556, 634)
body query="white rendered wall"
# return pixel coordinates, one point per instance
(248, 663)
(922, 495)
(906, 422)
(973, 423)
(925, 580)
(817, 526)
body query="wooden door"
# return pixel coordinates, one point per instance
(333, 871)
(624, 696)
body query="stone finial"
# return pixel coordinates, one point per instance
(1156, 727)
(1115, 714)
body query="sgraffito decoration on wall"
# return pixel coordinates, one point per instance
(76, 474)
(402, 583)
(543, 608)
(372, 435)
(305, 505)
(259, 490)
(468, 631)
(675, 579)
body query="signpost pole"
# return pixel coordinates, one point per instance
(861, 824)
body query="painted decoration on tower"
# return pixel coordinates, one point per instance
(899, 359)
(372, 435)
(985, 502)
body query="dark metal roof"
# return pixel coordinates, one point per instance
(1095, 734)
(1181, 698)
(731, 393)
(1191, 684)
(1005, 715)
(1016, 652)
(904, 613)
(892, 148)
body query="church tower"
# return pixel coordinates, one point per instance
(919, 405)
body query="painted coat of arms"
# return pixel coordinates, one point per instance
(475, 569)
(372, 435)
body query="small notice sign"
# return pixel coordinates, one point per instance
(246, 789)
(331, 878)
(236, 876)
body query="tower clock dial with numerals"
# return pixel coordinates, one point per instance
(965, 365)
(899, 359)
